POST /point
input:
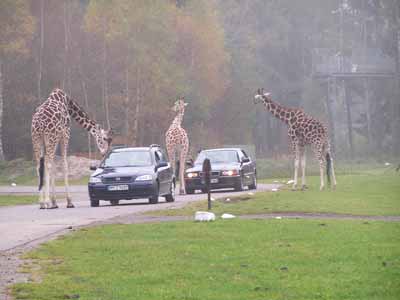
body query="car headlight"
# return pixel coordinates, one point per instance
(144, 178)
(94, 180)
(192, 174)
(230, 173)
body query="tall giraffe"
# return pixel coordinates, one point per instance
(177, 141)
(302, 130)
(51, 126)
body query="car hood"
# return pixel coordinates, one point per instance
(216, 167)
(122, 171)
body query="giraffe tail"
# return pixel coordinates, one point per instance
(41, 172)
(328, 167)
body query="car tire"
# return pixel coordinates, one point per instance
(171, 196)
(239, 185)
(114, 202)
(154, 198)
(204, 191)
(189, 191)
(253, 186)
(94, 202)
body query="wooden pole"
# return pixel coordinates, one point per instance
(207, 179)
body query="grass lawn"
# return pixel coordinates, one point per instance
(231, 259)
(17, 200)
(362, 194)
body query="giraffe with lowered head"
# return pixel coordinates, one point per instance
(302, 130)
(177, 141)
(50, 127)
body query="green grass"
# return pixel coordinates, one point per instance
(363, 194)
(17, 200)
(23, 172)
(232, 259)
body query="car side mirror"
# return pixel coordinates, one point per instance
(161, 164)
(93, 167)
(245, 160)
(189, 163)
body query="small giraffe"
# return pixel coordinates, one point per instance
(177, 141)
(51, 126)
(302, 130)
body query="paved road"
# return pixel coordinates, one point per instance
(20, 225)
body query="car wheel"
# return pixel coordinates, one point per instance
(171, 197)
(239, 185)
(114, 202)
(154, 198)
(94, 202)
(189, 191)
(204, 191)
(253, 186)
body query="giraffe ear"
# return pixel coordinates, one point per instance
(186, 103)
(267, 94)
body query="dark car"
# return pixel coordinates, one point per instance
(132, 173)
(230, 168)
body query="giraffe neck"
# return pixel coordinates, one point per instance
(277, 110)
(178, 119)
(81, 117)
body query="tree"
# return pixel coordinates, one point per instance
(17, 29)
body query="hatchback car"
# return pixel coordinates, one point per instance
(132, 173)
(230, 168)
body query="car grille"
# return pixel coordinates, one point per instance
(122, 179)
(213, 173)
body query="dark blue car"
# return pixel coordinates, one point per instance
(132, 173)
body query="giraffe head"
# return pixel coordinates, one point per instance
(260, 96)
(103, 139)
(179, 106)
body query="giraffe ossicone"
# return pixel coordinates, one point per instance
(177, 142)
(303, 130)
(51, 127)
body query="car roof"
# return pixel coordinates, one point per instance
(129, 149)
(222, 149)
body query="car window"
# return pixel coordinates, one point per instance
(128, 159)
(241, 155)
(220, 156)
(245, 154)
(160, 156)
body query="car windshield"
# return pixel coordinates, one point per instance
(127, 159)
(220, 156)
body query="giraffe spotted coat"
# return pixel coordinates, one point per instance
(51, 127)
(302, 130)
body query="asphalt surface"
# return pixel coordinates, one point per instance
(23, 224)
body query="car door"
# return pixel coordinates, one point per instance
(247, 168)
(164, 173)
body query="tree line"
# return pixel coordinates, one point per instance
(126, 62)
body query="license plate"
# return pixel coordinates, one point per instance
(212, 180)
(123, 187)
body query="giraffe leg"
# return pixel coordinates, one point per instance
(51, 146)
(333, 174)
(296, 167)
(53, 188)
(41, 192)
(303, 169)
(182, 187)
(38, 152)
(321, 174)
(47, 175)
(64, 146)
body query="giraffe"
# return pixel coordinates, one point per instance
(50, 127)
(302, 130)
(177, 141)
